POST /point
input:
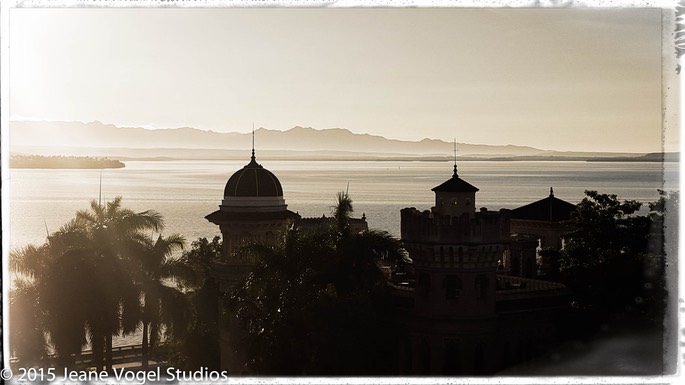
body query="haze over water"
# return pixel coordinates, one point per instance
(185, 191)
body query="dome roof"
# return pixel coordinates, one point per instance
(253, 180)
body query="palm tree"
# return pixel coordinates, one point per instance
(163, 304)
(360, 255)
(116, 233)
(84, 279)
(100, 240)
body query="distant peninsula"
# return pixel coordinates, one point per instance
(63, 162)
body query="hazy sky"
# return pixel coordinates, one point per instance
(564, 79)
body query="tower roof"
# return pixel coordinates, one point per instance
(253, 180)
(455, 184)
(551, 209)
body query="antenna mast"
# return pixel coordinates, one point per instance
(100, 193)
(253, 141)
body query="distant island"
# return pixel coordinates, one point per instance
(63, 162)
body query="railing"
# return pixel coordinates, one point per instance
(120, 354)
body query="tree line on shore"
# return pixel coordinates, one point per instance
(79, 162)
(316, 303)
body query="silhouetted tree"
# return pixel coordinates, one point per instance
(607, 258)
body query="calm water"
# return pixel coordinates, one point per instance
(185, 191)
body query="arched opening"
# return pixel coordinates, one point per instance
(452, 359)
(505, 356)
(452, 286)
(479, 359)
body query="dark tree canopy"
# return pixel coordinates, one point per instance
(613, 259)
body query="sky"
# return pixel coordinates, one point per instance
(560, 79)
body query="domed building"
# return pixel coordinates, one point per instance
(253, 208)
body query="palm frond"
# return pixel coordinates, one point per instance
(29, 260)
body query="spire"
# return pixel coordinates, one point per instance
(551, 192)
(253, 157)
(455, 175)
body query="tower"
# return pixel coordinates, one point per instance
(253, 208)
(455, 252)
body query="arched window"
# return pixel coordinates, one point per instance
(452, 286)
(481, 285)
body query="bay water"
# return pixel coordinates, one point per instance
(185, 191)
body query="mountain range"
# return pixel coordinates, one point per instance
(99, 139)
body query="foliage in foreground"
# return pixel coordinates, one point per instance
(317, 304)
(613, 260)
(198, 345)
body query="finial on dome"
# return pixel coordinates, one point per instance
(455, 159)
(253, 157)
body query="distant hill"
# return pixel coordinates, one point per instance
(97, 138)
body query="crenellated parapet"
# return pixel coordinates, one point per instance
(484, 227)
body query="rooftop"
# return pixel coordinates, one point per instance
(550, 209)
